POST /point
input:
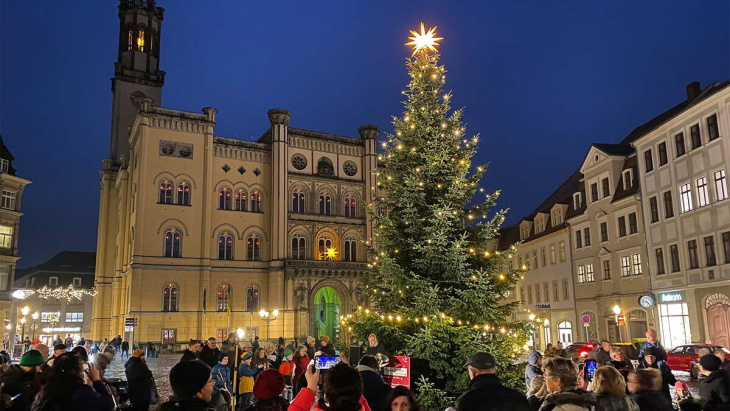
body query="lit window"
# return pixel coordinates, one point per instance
(50, 316)
(297, 199)
(325, 203)
(8, 200)
(636, 263)
(720, 185)
(562, 251)
(703, 196)
(225, 246)
(552, 254)
(183, 193)
(169, 336)
(130, 39)
(325, 243)
(222, 297)
(589, 273)
(625, 266)
(140, 40)
(224, 198)
(566, 290)
(4, 276)
(172, 243)
(74, 317)
(349, 206)
(253, 248)
(255, 201)
(685, 195)
(240, 200)
(165, 192)
(169, 297)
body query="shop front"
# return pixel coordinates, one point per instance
(674, 318)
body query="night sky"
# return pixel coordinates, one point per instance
(539, 82)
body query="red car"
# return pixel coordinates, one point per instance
(684, 357)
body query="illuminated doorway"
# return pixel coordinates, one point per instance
(326, 313)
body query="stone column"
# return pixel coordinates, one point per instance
(279, 119)
(369, 136)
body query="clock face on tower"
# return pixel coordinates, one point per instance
(646, 301)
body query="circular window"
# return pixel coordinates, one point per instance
(185, 151)
(350, 168)
(299, 161)
(168, 149)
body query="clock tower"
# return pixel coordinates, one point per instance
(136, 71)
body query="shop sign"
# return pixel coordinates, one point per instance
(398, 371)
(672, 297)
(542, 306)
(61, 329)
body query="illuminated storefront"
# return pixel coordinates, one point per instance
(674, 318)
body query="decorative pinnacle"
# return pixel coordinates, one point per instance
(279, 116)
(369, 132)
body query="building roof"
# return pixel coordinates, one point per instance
(614, 149)
(64, 265)
(5, 154)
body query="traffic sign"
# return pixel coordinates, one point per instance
(586, 319)
(620, 318)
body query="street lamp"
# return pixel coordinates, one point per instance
(236, 362)
(22, 333)
(35, 318)
(617, 311)
(268, 317)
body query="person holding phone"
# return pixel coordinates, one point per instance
(561, 378)
(342, 390)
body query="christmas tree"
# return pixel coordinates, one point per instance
(438, 284)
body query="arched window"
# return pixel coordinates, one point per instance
(173, 243)
(224, 198)
(225, 246)
(325, 167)
(325, 203)
(183, 193)
(253, 245)
(256, 201)
(298, 247)
(169, 297)
(325, 244)
(565, 332)
(165, 192)
(239, 201)
(350, 249)
(349, 206)
(252, 298)
(297, 199)
(223, 297)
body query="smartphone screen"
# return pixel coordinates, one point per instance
(591, 366)
(325, 362)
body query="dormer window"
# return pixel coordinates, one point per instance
(577, 201)
(77, 281)
(628, 179)
(539, 225)
(557, 217)
(52, 281)
(4, 165)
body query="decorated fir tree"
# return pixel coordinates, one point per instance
(438, 285)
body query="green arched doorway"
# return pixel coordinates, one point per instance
(326, 313)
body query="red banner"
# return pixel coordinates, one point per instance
(398, 371)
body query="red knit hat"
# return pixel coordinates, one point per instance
(269, 384)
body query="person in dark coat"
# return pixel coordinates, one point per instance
(327, 347)
(641, 385)
(192, 352)
(486, 392)
(193, 387)
(651, 361)
(603, 355)
(376, 391)
(715, 387)
(651, 342)
(125, 349)
(255, 343)
(140, 381)
(18, 379)
(618, 360)
(534, 362)
(209, 354)
(69, 388)
(374, 348)
(561, 380)
(310, 347)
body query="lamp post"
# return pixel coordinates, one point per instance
(35, 318)
(268, 317)
(617, 311)
(25, 310)
(236, 363)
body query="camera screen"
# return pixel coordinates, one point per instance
(325, 362)
(591, 366)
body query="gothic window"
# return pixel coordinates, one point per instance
(222, 297)
(325, 243)
(256, 201)
(130, 39)
(349, 206)
(253, 248)
(183, 193)
(165, 192)
(225, 246)
(169, 297)
(240, 200)
(350, 249)
(297, 199)
(224, 198)
(172, 243)
(298, 247)
(252, 298)
(325, 203)
(140, 40)
(325, 167)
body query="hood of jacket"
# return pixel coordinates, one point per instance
(572, 400)
(533, 357)
(615, 402)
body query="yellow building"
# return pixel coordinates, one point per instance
(198, 233)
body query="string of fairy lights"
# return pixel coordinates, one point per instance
(61, 293)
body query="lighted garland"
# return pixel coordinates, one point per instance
(68, 293)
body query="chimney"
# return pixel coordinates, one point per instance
(693, 90)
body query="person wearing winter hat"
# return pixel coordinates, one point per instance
(192, 384)
(222, 374)
(19, 378)
(651, 360)
(140, 381)
(715, 386)
(681, 395)
(287, 366)
(267, 391)
(247, 373)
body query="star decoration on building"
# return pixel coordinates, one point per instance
(424, 41)
(331, 253)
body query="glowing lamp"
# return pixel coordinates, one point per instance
(240, 333)
(25, 310)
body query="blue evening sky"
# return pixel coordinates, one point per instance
(540, 81)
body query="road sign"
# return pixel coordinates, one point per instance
(586, 319)
(620, 318)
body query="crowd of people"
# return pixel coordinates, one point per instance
(617, 384)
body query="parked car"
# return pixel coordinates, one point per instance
(580, 350)
(684, 357)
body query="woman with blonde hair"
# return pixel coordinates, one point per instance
(610, 389)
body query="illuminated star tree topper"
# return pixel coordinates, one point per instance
(424, 41)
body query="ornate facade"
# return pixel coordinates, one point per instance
(198, 233)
